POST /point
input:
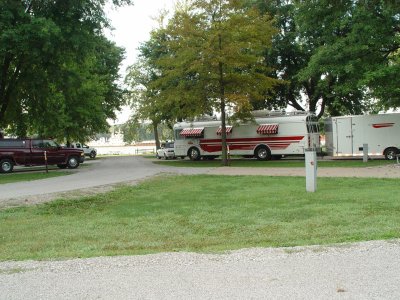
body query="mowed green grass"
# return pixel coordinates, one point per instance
(204, 213)
(25, 176)
(283, 163)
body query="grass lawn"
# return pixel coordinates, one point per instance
(203, 213)
(284, 163)
(23, 176)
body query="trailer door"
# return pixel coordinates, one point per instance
(344, 136)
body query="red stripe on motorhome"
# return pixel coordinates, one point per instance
(257, 139)
(275, 143)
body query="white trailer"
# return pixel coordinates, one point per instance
(345, 136)
(272, 135)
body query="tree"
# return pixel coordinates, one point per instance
(354, 39)
(286, 57)
(146, 99)
(214, 60)
(142, 131)
(384, 82)
(58, 71)
(142, 100)
(336, 56)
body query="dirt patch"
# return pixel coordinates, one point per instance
(70, 195)
(387, 171)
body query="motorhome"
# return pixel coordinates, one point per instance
(270, 135)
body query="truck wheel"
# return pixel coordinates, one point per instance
(262, 153)
(92, 155)
(390, 153)
(6, 165)
(73, 162)
(194, 154)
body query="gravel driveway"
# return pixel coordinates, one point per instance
(368, 270)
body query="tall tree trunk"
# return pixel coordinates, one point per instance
(322, 111)
(223, 128)
(222, 107)
(155, 128)
(7, 87)
(293, 102)
(4, 100)
(4, 106)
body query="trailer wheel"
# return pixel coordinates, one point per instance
(262, 153)
(6, 165)
(194, 154)
(390, 153)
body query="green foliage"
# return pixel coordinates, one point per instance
(146, 100)
(133, 130)
(215, 52)
(176, 214)
(58, 71)
(342, 57)
(208, 58)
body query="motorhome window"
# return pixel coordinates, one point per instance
(12, 144)
(177, 134)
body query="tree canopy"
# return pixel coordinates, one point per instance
(146, 100)
(210, 58)
(59, 72)
(340, 57)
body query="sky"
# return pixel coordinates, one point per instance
(132, 26)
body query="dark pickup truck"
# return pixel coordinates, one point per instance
(33, 152)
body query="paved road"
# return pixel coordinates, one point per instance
(93, 173)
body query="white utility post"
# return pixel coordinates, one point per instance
(311, 170)
(365, 152)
